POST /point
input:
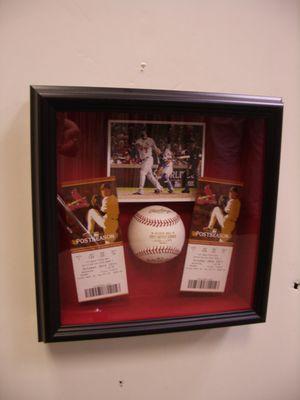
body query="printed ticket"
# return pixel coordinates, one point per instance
(211, 240)
(206, 268)
(100, 273)
(91, 218)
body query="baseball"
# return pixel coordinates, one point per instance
(156, 234)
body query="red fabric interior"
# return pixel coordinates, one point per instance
(234, 150)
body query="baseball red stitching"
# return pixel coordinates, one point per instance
(157, 222)
(158, 250)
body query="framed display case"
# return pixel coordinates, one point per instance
(153, 211)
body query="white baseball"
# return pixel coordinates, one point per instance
(156, 234)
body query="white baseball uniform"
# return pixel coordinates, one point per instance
(168, 162)
(92, 217)
(109, 221)
(145, 147)
(226, 220)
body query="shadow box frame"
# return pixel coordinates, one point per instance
(46, 101)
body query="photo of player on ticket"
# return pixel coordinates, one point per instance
(216, 211)
(92, 211)
(156, 160)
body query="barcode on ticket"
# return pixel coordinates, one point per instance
(102, 290)
(203, 284)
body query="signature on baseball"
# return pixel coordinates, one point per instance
(156, 234)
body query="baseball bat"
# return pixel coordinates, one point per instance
(61, 202)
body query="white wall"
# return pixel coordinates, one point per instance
(234, 46)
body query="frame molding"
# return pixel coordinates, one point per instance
(45, 102)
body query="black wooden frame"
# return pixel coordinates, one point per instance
(45, 102)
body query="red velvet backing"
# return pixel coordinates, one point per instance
(234, 150)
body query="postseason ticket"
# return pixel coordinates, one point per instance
(92, 221)
(211, 239)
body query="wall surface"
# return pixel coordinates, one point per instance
(234, 46)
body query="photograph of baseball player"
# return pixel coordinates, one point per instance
(145, 147)
(216, 211)
(92, 212)
(165, 168)
(155, 160)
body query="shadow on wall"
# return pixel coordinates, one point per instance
(16, 223)
(137, 346)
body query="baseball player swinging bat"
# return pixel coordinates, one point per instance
(145, 145)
